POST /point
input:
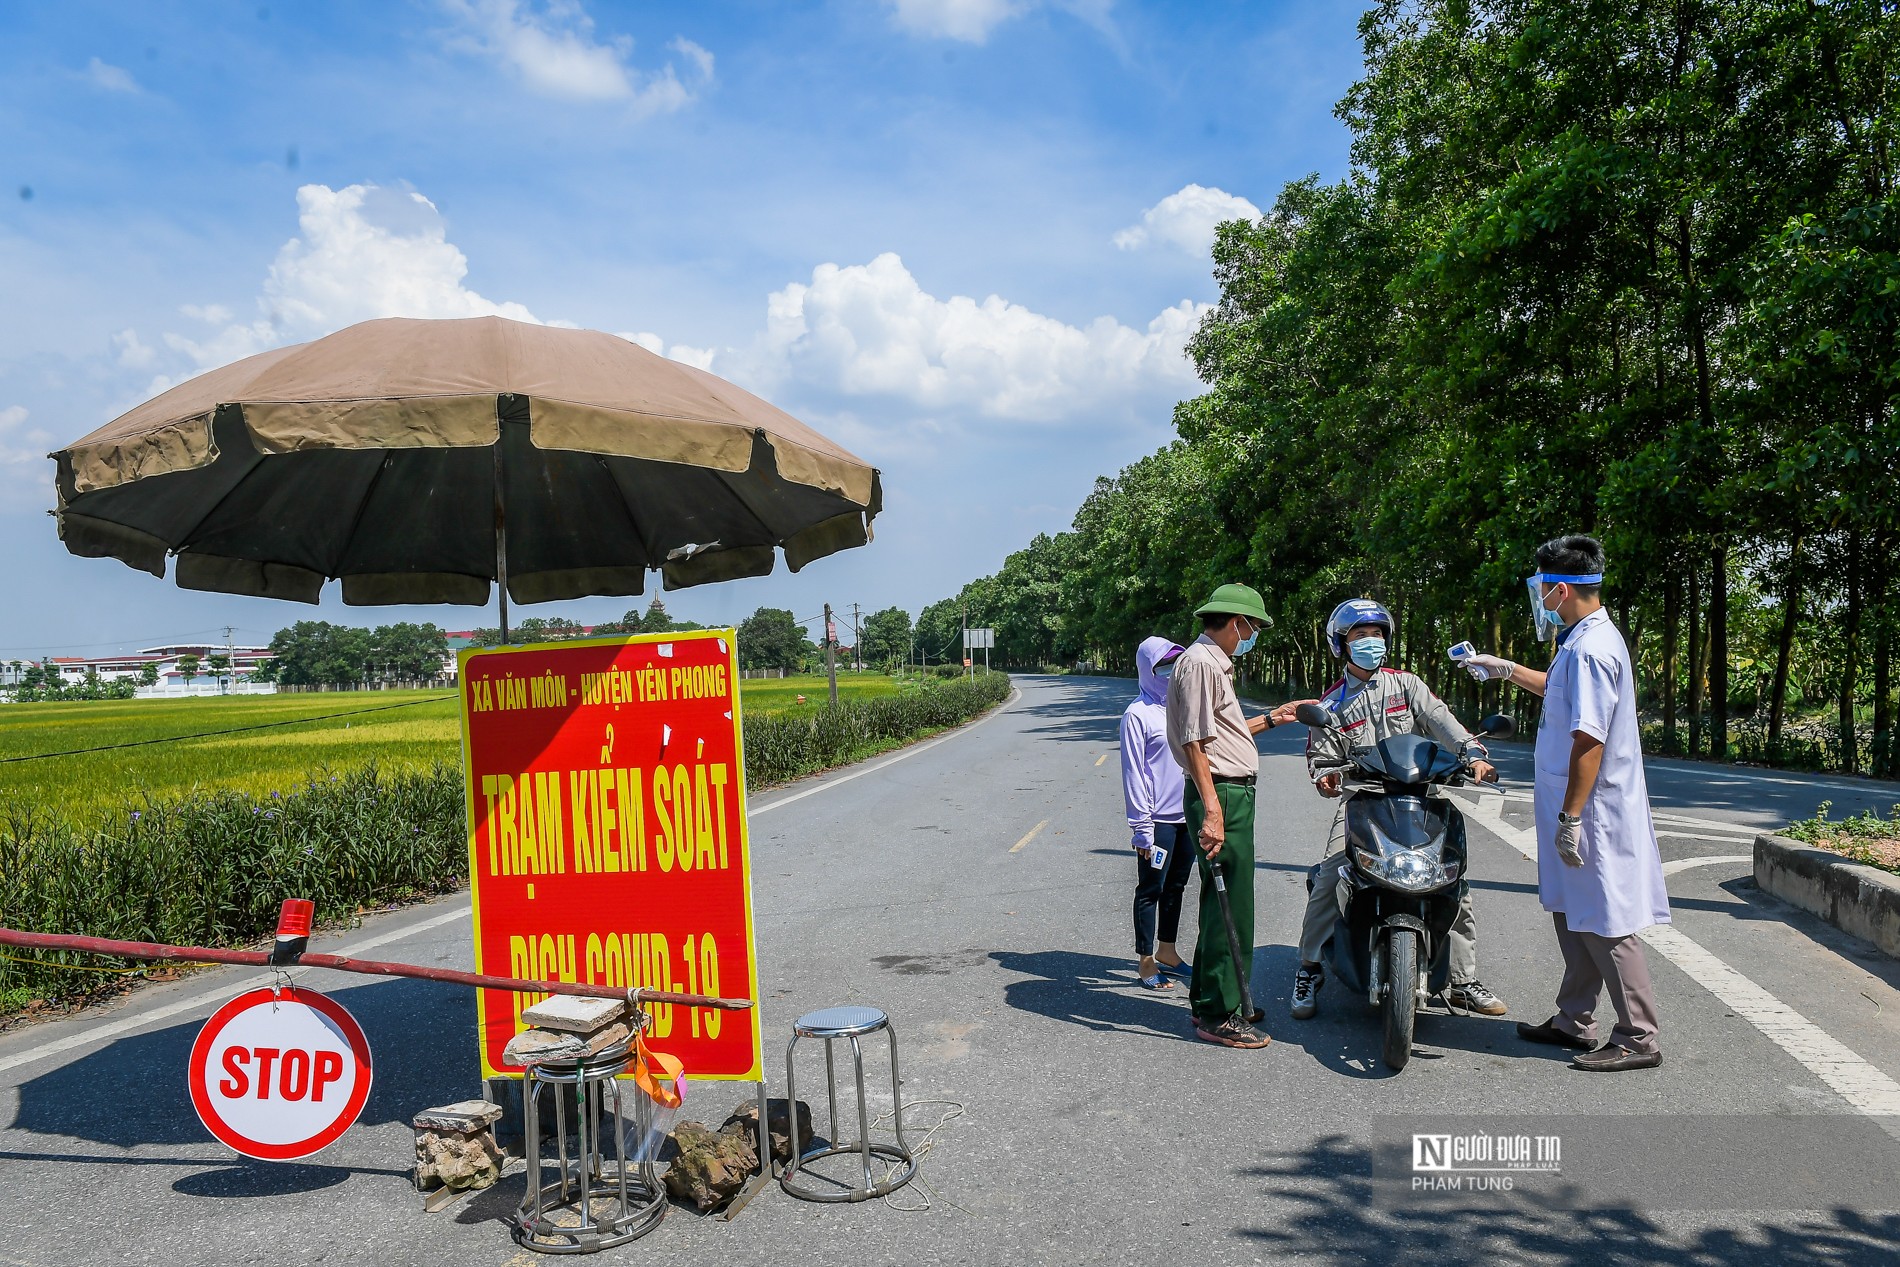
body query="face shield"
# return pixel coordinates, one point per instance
(1546, 621)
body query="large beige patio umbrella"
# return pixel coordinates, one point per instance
(419, 460)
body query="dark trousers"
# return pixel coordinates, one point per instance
(1215, 995)
(1158, 889)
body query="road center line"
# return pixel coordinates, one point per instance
(138, 1020)
(1100, 759)
(1863, 1086)
(1028, 836)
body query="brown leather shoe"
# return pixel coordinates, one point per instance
(1549, 1034)
(1613, 1059)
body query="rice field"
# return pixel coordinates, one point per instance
(327, 732)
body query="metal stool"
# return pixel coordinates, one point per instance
(565, 1217)
(849, 1023)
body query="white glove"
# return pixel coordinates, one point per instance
(1487, 667)
(1569, 834)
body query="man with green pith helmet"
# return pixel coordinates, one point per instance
(1214, 742)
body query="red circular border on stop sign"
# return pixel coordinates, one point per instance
(201, 1074)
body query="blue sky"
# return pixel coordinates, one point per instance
(964, 237)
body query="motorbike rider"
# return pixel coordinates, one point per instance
(1372, 703)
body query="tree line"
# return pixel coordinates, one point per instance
(1629, 269)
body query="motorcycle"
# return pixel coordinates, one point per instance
(1406, 852)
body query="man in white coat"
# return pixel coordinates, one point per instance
(1598, 870)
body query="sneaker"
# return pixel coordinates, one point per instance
(1232, 1032)
(1306, 984)
(1473, 997)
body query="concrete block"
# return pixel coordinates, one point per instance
(1859, 900)
(573, 1014)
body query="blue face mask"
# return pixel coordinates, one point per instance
(1246, 644)
(1367, 653)
(1166, 671)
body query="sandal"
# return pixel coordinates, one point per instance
(1185, 971)
(1159, 981)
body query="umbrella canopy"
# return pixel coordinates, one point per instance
(420, 460)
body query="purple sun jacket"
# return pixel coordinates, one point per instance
(1152, 783)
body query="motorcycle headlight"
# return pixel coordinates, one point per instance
(1410, 870)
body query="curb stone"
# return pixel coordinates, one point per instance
(1860, 900)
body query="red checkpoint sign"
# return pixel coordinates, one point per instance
(607, 834)
(279, 1074)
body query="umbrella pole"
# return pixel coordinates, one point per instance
(501, 546)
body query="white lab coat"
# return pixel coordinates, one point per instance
(1619, 888)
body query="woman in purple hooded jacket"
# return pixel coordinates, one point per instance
(1152, 784)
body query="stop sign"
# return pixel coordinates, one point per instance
(279, 1073)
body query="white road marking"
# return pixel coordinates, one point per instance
(1863, 1086)
(1668, 818)
(138, 1020)
(1683, 864)
(755, 810)
(1028, 836)
(1731, 775)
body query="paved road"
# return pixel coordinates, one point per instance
(978, 889)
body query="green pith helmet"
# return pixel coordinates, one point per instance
(1238, 600)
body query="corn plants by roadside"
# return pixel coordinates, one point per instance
(209, 868)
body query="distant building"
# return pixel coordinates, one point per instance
(245, 661)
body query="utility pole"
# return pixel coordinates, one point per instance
(963, 618)
(857, 641)
(230, 661)
(831, 654)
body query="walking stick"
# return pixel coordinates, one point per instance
(1243, 970)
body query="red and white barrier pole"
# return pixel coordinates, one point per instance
(293, 930)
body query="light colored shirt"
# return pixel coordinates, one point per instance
(1202, 705)
(1390, 702)
(1151, 781)
(1619, 888)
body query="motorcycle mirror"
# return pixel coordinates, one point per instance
(1315, 716)
(1498, 726)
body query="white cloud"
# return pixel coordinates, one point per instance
(133, 354)
(971, 21)
(869, 330)
(111, 78)
(363, 251)
(555, 52)
(968, 20)
(26, 477)
(698, 358)
(1186, 219)
(210, 314)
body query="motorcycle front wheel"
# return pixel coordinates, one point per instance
(1401, 995)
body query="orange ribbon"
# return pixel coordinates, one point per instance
(665, 1088)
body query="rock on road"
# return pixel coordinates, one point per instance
(978, 888)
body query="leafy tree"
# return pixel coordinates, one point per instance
(189, 665)
(316, 652)
(885, 638)
(771, 638)
(408, 651)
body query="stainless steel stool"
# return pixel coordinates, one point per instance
(594, 1204)
(850, 1023)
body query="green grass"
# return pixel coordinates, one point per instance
(1865, 837)
(425, 732)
